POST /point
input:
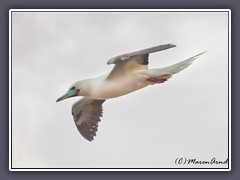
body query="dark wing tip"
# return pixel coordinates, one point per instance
(164, 47)
(86, 132)
(172, 45)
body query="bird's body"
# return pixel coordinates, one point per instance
(103, 88)
(129, 74)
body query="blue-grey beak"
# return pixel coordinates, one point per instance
(68, 94)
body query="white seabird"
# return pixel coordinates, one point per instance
(129, 74)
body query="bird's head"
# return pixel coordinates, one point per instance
(74, 90)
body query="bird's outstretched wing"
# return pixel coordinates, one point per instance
(123, 57)
(129, 62)
(86, 114)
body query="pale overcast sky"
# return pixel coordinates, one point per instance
(186, 116)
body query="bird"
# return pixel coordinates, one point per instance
(130, 73)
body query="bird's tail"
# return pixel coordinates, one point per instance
(173, 69)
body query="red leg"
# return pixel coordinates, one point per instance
(157, 80)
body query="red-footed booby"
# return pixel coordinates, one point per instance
(129, 74)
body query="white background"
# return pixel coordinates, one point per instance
(184, 117)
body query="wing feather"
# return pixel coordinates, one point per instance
(86, 114)
(126, 56)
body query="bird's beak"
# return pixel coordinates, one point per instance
(68, 94)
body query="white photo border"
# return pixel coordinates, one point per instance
(119, 169)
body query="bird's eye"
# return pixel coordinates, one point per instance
(72, 88)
